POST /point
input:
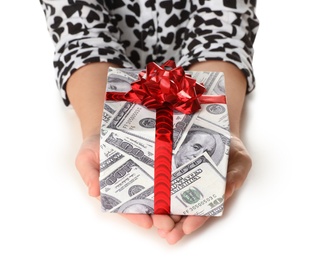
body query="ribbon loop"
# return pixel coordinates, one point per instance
(166, 85)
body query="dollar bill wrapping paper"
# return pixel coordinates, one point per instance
(200, 150)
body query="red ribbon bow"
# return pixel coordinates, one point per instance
(165, 88)
(166, 85)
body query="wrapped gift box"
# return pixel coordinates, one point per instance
(199, 152)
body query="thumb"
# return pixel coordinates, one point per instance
(88, 167)
(239, 166)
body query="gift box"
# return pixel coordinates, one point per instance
(164, 141)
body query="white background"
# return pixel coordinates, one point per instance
(46, 212)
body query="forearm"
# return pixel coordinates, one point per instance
(85, 90)
(87, 85)
(235, 84)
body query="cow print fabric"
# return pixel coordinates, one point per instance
(132, 33)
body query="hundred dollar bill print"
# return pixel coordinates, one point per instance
(198, 188)
(201, 143)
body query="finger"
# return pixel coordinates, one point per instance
(176, 234)
(176, 218)
(163, 232)
(239, 166)
(229, 190)
(193, 223)
(141, 220)
(163, 222)
(236, 176)
(93, 184)
(87, 166)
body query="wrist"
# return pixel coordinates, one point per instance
(89, 131)
(86, 92)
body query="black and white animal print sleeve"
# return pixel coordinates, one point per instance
(131, 33)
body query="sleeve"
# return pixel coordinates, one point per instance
(245, 25)
(224, 30)
(82, 32)
(242, 31)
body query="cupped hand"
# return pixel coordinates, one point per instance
(239, 165)
(87, 164)
(170, 227)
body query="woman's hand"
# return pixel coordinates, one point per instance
(87, 163)
(239, 166)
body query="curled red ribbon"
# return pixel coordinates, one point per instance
(166, 85)
(165, 88)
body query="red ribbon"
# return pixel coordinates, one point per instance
(165, 88)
